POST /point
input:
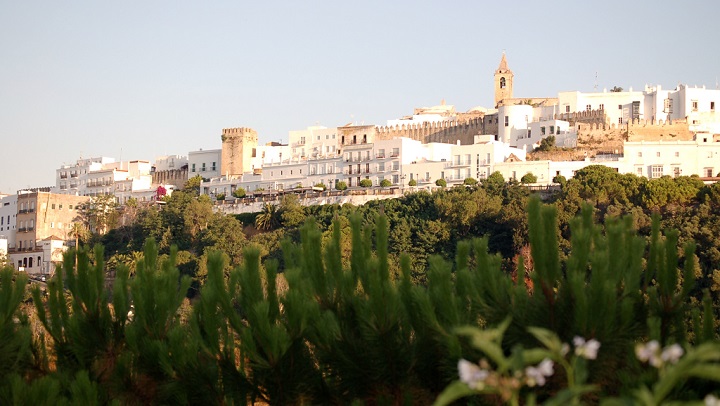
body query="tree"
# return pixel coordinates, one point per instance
(412, 182)
(292, 212)
(441, 182)
(470, 182)
(239, 193)
(269, 217)
(494, 183)
(386, 183)
(616, 89)
(78, 231)
(197, 216)
(528, 178)
(341, 185)
(366, 183)
(559, 179)
(192, 185)
(99, 214)
(546, 144)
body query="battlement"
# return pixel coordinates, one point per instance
(449, 131)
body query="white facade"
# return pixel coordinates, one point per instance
(8, 214)
(314, 142)
(205, 163)
(170, 162)
(674, 158)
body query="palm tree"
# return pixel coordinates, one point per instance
(78, 231)
(268, 218)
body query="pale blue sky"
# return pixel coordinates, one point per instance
(149, 78)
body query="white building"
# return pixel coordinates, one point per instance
(674, 158)
(205, 163)
(170, 162)
(8, 214)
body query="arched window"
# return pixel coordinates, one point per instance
(502, 83)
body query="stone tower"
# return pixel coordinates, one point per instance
(503, 81)
(238, 149)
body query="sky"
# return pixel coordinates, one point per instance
(141, 79)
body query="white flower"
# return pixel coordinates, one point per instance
(537, 375)
(672, 353)
(711, 400)
(586, 349)
(646, 351)
(650, 352)
(565, 349)
(472, 375)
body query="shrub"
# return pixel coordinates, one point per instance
(366, 183)
(441, 182)
(385, 183)
(239, 193)
(341, 185)
(528, 178)
(220, 196)
(470, 181)
(412, 182)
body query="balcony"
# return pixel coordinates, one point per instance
(23, 229)
(380, 156)
(22, 211)
(73, 175)
(63, 176)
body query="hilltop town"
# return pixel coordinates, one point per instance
(653, 132)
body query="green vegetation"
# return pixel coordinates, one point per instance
(528, 178)
(386, 183)
(441, 183)
(546, 144)
(239, 193)
(341, 185)
(614, 317)
(412, 183)
(366, 183)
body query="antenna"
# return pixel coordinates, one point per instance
(596, 81)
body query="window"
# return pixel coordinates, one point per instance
(52, 225)
(203, 167)
(602, 107)
(657, 154)
(588, 107)
(381, 153)
(656, 171)
(552, 129)
(619, 120)
(567, 109)
(694, 105)
(619, 106)
(396, 179)
(193, 167)
(395, 152)
(507, 121)
(70, 207)
(396, 165)
(502, 83)
(677, 154)
(639, 154)
(708, 172)
(542, 130)
(381, 167)
(213, 166)
(712, 105)
(60, 207)
(53, 206)
(676, 171)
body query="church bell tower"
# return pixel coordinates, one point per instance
(503, 82)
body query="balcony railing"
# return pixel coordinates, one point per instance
(63, 176)
(22, 211)
(23, 229)
(73, 175)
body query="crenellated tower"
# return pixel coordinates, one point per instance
(238, 148)
(503, 82)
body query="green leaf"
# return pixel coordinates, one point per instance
(454, 391)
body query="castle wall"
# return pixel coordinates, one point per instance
(451, 132)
